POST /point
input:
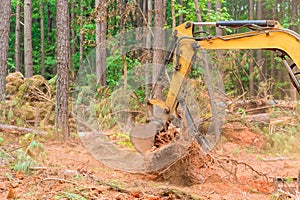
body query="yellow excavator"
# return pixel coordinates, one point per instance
(188, 39)
(181, 112)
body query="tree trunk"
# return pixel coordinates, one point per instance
(28, 38)
(63, 64)
(5, 10)
(159, 22)
(198, 14)
(173, 14)
(139, 15)
(180, 2)
(145, 9)
(148, 47)
(22, 37)
(218, 10)
(206, 63)
(251, 63)
(158, 46)
(293, 92)
(50, 25)
(73, 31)
(17, 41)
(273, 65)
(209, 6)
(218, 30)
(272, 15)
(101, 29)
(50, 22)
(280, 71)
(122, 40)
(259, 51)
(81, 37)
(42, 39)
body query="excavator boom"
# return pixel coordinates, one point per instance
(265, 34)
(189, 38)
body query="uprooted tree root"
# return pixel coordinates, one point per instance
(195, 167)
(184, 171)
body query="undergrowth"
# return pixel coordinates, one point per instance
(283, 133)
(24, 157)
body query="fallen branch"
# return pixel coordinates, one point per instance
(223, 162)
(258, 118)
(3, 151)
(59, 180)
(276, 159)
(269, 106)
(38, 168)
(177, 194)
(116, 188)
(21, 130)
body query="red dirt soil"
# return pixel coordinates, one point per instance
(231, 172)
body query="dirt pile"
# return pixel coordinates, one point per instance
(240, 134)
(29, 102)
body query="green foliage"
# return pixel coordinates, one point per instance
(282, 138)
(132, 17)
(8, 116)
(189, 11)
(69, 196)
(116, 184)
(74, 193)
(27, 157)
(123, 140)
(3, 155)
(236, 150)
(283, 143)
(1, 140)
(24, 162)
(242, 112)
(115, 66)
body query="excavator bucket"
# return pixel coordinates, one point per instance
(142, 137)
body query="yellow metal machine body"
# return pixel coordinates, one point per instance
(269, 36)
(186, 41)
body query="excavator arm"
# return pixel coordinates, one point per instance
(187, 41)
(266, 34)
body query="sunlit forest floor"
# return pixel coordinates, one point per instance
(236, 169)
(258, 146)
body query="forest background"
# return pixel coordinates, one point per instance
(53, 39)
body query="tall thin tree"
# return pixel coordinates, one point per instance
(158, 46)
(122, 39)
(42, 39)
(5, 10)
(218, 30)
(81, 37)
(180, 2)
(251, 52)
(173, 13)
(28, 38)
(259, 14)
(209, 5)
(294, 18)
(63, 65)
(73, 30)
(207, 65)
(159, 22)
(17, 41)
(218, 11)
(101, 29)
(148, 46)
